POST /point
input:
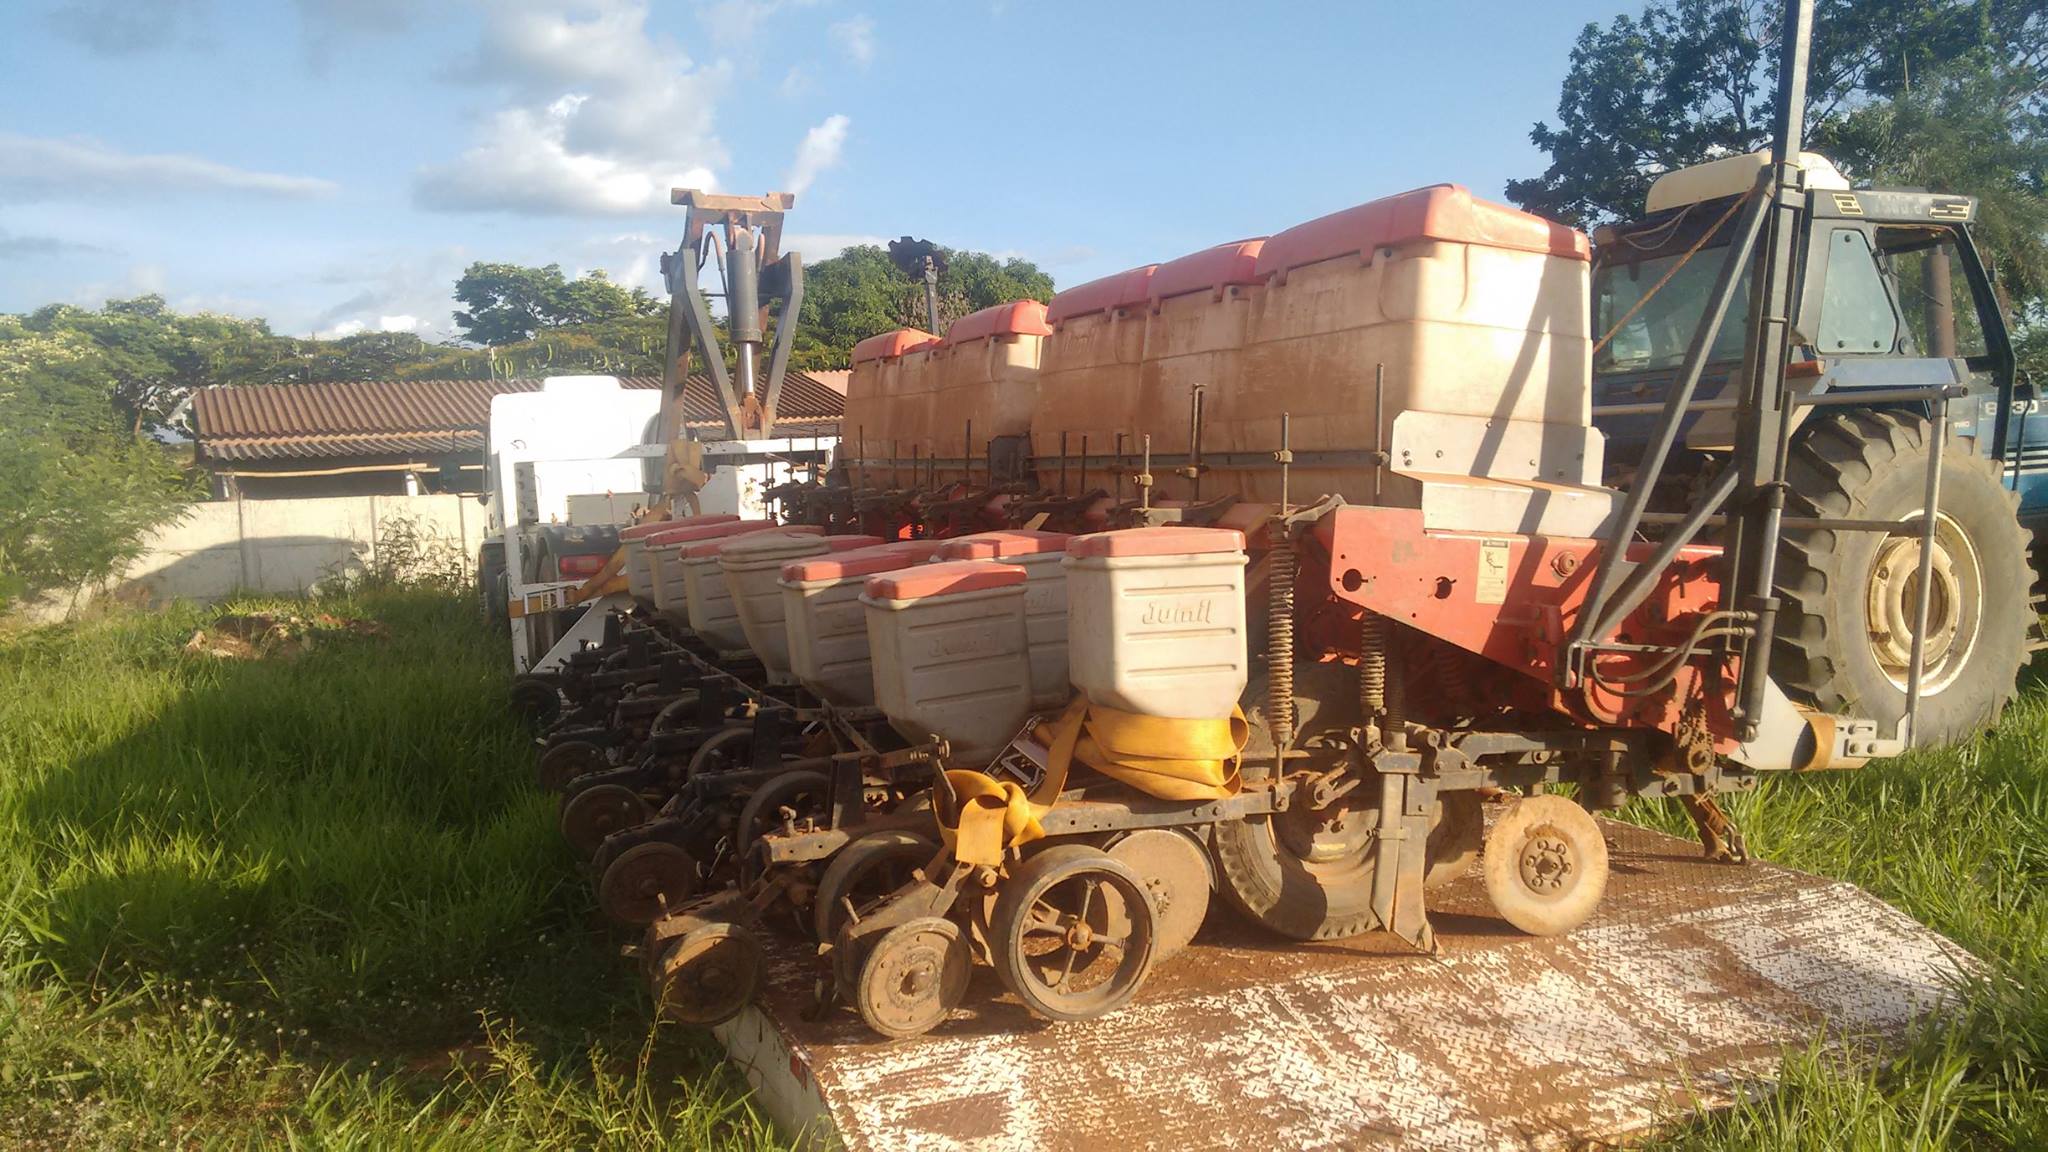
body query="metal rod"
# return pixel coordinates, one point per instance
(1924, 594)
(1119, 473)
(1803, 523)
(1063, 462)
(1084, 466)
(1644, 575)
(1286, 456)
(1594, 617)
(1379, 435)
(1195, 443)
(1869, 396)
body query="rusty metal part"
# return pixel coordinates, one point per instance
(1280, 574)
(1719, 836)
(645, 881)
(1456, 833)
(1372, 666)
(1546, 865)
(1175, 870)
(592, 814)
(708, 974)
(789, 803)
(566, 761)
(867, 870)
(1052, 938)
(912, 977)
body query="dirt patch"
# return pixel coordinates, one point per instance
(263, 635)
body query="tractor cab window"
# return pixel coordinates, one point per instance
(1657, 303)
(1928, 277)
(1856, 313)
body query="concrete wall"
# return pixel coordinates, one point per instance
(284, 546)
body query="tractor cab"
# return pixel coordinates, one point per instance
(1890, 302)
(1892, 293)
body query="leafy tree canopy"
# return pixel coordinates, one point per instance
(508, 303)
(860, 292)
(1948, 94)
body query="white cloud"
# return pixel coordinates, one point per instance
(820, 150)
(525, 164)
(601, 116)
(856, 35)
(344, 329)
(795, 83)
(397, 323)
(42, 168)
(388, 292)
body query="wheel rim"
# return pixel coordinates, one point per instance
(865, 872)
(1065, 958)
(1954, 606)
(913, 977)
(565, 762)
(708, 974)
(1547, 863)
(595, 813)
(646, 880)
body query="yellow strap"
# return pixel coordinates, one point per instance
(1173, 759)
(605, 581)
(994, 817)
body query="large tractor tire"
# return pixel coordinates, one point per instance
(1845, 633)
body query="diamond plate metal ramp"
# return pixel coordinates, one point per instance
(1691, 979)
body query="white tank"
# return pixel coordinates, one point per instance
(638, 566)
(663, 554)
(949, 653)
(828, 627)
(1155, 620)
(1042, 556)
(713, 616)
(753, 576)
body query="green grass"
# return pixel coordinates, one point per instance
(312, 901)
(1958, 838)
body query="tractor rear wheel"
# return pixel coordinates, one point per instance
(1845, 633)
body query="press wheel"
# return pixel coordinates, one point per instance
(791, 796)
(595, 813)
(535, 699)
(1546, 865)
(645, 881)
(912, 977)
(1175, 872)
(1052, 938)
(708, 975)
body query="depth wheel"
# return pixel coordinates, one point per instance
(1304, 873)
(566, 761)
(790, 797)
(1175, 872)
(645, 881)
(536, 700)
(1546, 865)
(708, 975)
(912, 977)
(595, 813)
(864, 872)
(1052, 933)
(722, 751)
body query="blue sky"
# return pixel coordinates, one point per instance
(333, 164)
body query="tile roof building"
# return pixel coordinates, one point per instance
(391, 436)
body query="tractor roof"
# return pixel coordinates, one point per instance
(1732, 176)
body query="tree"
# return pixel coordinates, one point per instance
(507, 303)
(78, 489)
(860, 292)
(1937, 93)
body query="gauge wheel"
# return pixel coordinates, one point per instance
(1546, 865)
(708, 975)
(912, 977)
(596, 812)
(566, 761)
(645, 881)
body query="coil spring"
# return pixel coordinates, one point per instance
(1452, 673)
(1280, 571)
(1372, 664)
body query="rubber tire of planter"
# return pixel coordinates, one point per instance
(1872, 465)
